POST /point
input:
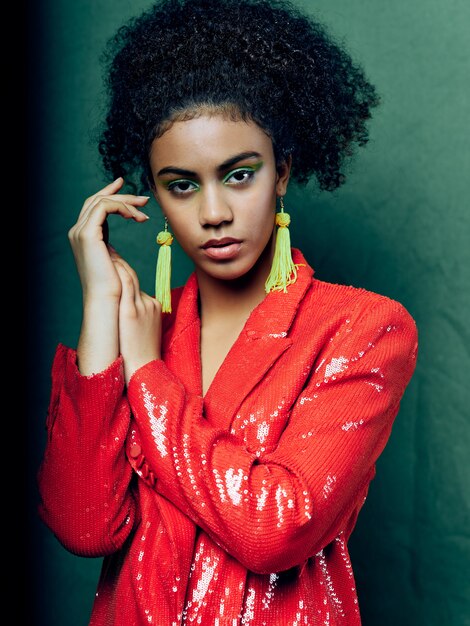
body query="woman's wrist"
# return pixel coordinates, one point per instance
(130, 367)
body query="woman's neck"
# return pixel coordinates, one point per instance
(234, 299)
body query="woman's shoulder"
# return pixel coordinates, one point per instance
(325, 301)
(334, 299)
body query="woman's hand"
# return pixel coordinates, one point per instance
(98, 344)
(97, 273)
(140, 318)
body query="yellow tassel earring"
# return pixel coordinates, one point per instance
(163, 274)
(283, 270)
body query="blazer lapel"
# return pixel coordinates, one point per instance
(264, 338)
(249, 359)
(182, 355)
(262, 341)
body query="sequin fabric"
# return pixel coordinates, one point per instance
(234, 508)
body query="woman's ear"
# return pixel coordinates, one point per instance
(283, 173)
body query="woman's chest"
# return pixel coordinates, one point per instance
(215, 345)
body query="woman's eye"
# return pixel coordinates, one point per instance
(181, 187)
(239, 176)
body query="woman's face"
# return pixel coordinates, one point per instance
(216, 181)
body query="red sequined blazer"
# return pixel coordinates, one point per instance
(233, 508)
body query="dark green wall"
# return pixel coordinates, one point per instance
(400, 227)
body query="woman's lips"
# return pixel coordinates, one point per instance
(222, 249)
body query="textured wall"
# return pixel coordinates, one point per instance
(400, 227)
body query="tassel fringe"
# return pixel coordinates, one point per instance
(283, 270)
(163, 273)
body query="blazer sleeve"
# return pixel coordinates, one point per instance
(274, 511)
(84, 475)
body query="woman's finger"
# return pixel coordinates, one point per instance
(120, 264)
(112, 193)
(97, 215)
(127, 302)
(109, 189)
(118, 260)
(150, 301)
(128, 198)
(129, 203)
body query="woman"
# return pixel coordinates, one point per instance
(215, 446)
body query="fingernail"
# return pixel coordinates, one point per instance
(145, 214)
(144, 197)
(116, 179)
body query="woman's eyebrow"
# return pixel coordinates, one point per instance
(223, 166)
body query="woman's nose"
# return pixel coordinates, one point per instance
(214, 209)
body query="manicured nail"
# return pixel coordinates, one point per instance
(144, 197)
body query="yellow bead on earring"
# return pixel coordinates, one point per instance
(283, 270)
(163, 273)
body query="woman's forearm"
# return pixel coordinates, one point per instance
(98, 344)
(84, 478)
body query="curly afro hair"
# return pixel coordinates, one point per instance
(256, 60)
